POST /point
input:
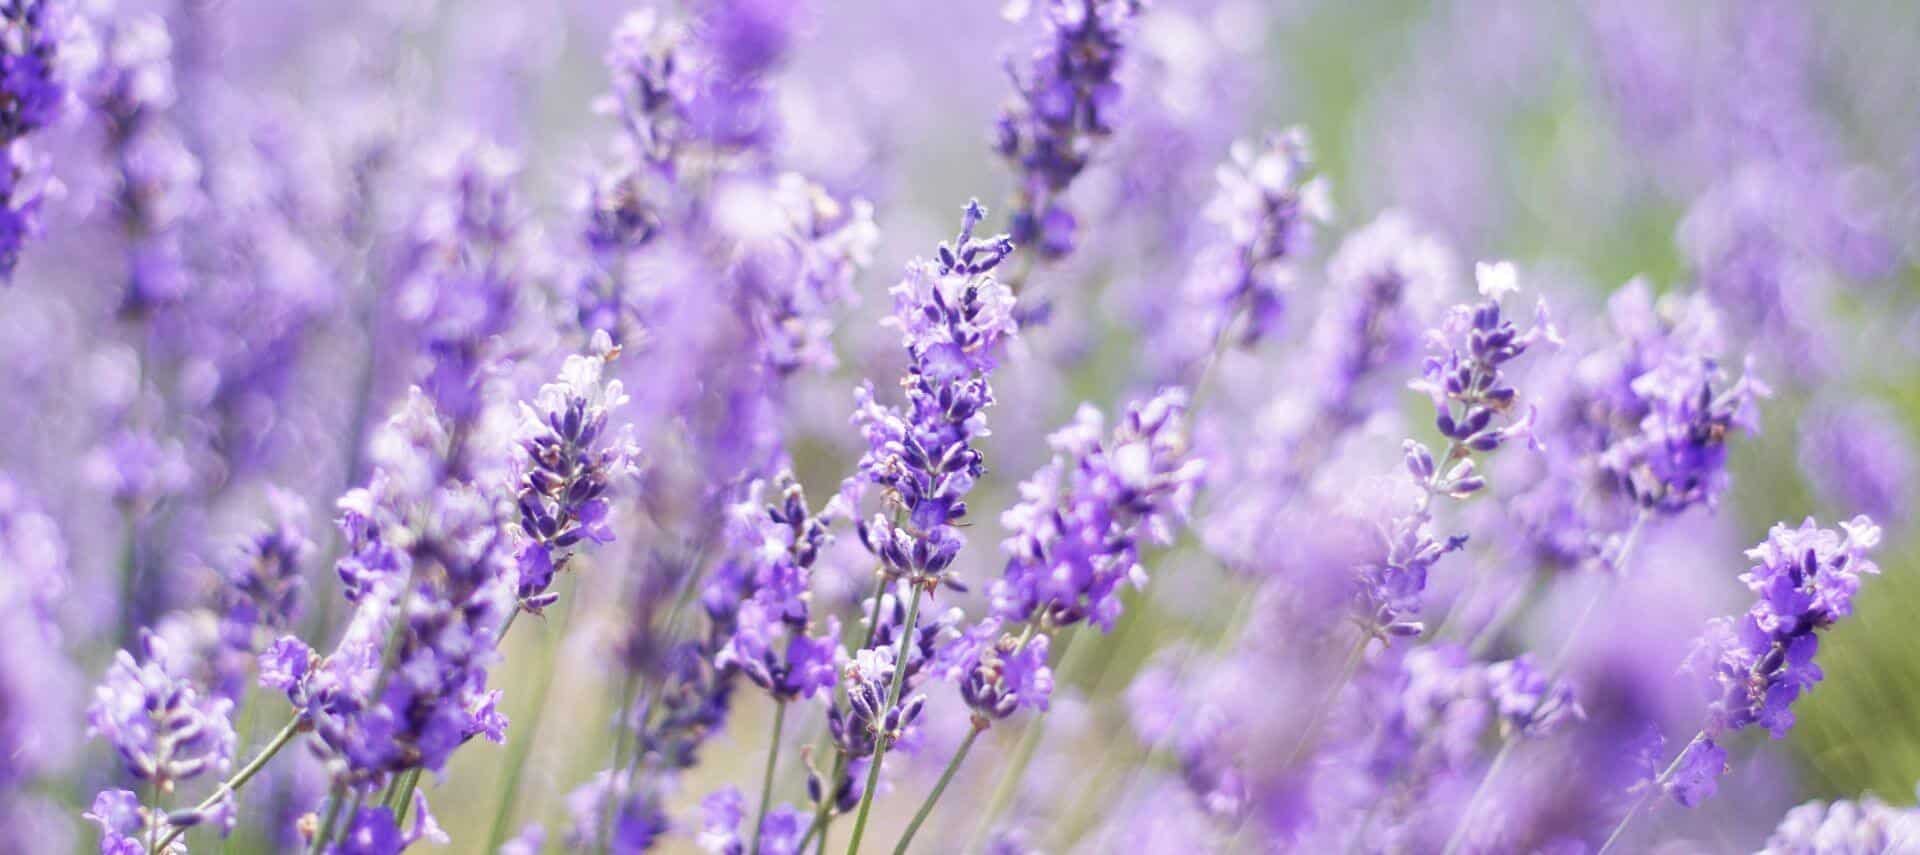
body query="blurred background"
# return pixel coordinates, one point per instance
(1765, 153)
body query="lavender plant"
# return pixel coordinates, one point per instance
(614, 568)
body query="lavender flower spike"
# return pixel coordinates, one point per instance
(569, 469)
(1756, 666)
(165, 729)
(1271, 206)
(953, 317)
(1065, 96)
(1077, 530)
(31, 33)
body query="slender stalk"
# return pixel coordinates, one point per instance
(1311, 733)
(403, 795)
(153, 817)
(1459, 835)
(1658, 784)
(240, 778)
(1009, 781)
(946, 776)
(766, 780)
(331, 817)
(822, 816)
(893, 698)
(1554, 671)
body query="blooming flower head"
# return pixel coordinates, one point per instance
(721, 814)
(1076, 534)
(165, 728)
(36, 93)
(1842, 826)
(997, 673)
(1066, 94)
(569, 470)
(1271, 206)
(1754, 667)
(622, 804)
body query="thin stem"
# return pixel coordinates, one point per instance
(153, 817)
(1554, 671)
(240, 778)
(873, 616)
(1009, 781)
(946, 776)
(823, 816)
(403, 796)
(766, 779)
(893, 698)
(332, 816)
(1658, 784)
(1459, 835)
(1311, 733)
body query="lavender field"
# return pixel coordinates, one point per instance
(1072, 426)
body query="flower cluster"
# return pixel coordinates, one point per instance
(1756, 666)
(998, 673)
(1066, 95)
(36, 95)
(779, 607)
(166, 729)
(570, 467)
(263, 590)
(1077, 532)
(1269, 206)
(953, 318)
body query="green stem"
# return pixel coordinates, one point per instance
(332, 816)
(893, 698)
(1459, 835)
(403, 795)
(766, 780)
(938, 788)
(153, 818)
(240, 778)
(1009, 781)
(1553, 673)
(1658, 785)
(1311, 733)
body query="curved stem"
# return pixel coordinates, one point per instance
(766, 779)
(240, 778)
(1554, 671)
(1009, 781)
(1459, 835)
(332, 817)
(893, 699)
(946, 776)
(1659, 784)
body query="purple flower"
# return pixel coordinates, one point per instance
(1270, 207)
(1755, 666)
(568, 470)
(997, 673)
(1698, 774)
(1527, 701)
(637, 818)
(122, 821)
(953, 318)
(1076, 533)
(262, 594)
(430, 571)
(1066, 96)
(35, 96)
(164, 728)
(721, 814)
(1840, 827)
(376, 831)
(1858, 456)
(459, 273)
(1679, 458)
